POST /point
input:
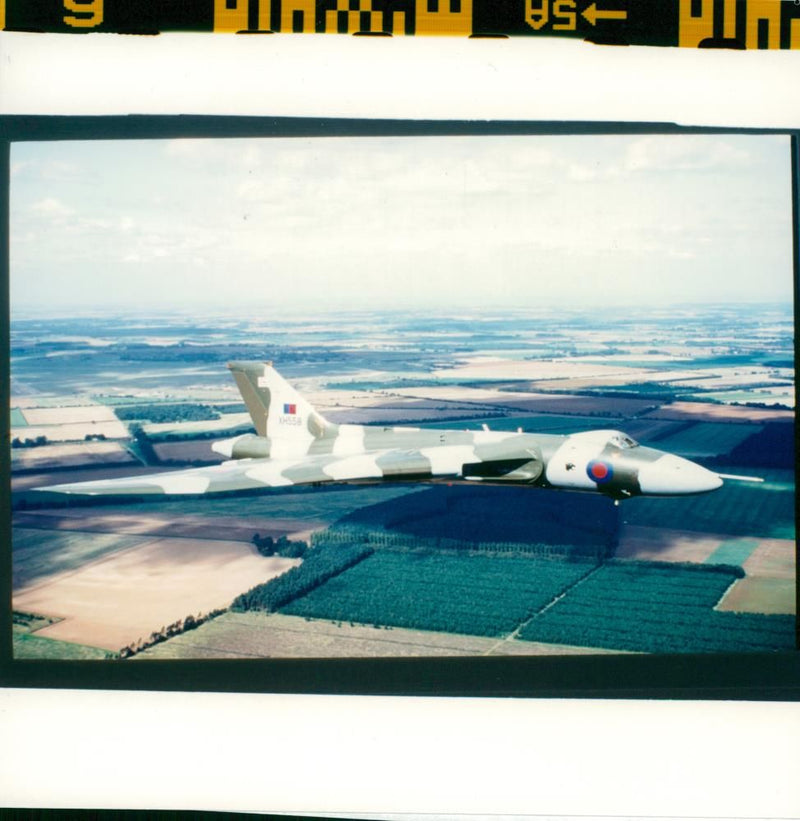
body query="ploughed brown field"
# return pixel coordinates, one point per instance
(706, 412)
(129, 594)
(657, 544)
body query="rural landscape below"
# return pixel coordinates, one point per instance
(403, 569)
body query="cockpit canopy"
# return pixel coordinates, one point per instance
(622, 441)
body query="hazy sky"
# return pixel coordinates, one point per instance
(407, 222)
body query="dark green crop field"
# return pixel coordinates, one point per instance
(647, 607)
(433, 590)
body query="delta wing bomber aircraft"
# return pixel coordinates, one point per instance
(295, 445)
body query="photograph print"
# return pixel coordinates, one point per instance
(402, 396)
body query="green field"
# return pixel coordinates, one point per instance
(734, 551)
(647, 607)
(37, 553)
(436, 590)
(29, 646)
(26, 645)
(736, 509)
(18, 419)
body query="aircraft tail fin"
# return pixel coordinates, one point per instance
(276, 408)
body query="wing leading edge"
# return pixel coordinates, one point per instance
(252, 474)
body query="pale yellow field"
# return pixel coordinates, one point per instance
(50, 456)
(455, 393)
(774, 558)
(705, 412)
(612, 379)
(69, 415)
(273, 635)
(758, 594)
(481, 367)
(72, 431)
(131, 593)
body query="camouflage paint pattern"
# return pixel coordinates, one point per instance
(295, 445)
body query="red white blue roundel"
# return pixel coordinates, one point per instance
(599, 471)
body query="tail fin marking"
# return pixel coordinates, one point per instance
(278, 411)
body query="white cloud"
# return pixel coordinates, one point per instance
(51, 207)
(522, 216)
(689, 153)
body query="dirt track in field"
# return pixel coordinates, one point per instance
(131, 593)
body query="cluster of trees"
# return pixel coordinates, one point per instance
(95, 437)
(319, 565)
(282, 546)
(177, 412)
(398, 540)
(174, 629)
(658, 608)
(16, 442)
(186, 352)
(437, 590)
(196, 436)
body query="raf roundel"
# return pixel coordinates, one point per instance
(599, 472)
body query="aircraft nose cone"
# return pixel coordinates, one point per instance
(672, 476)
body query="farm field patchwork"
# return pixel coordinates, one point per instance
(274, 635)
(542, 371)
(707, 412)
(41, 553)
(50, 457)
